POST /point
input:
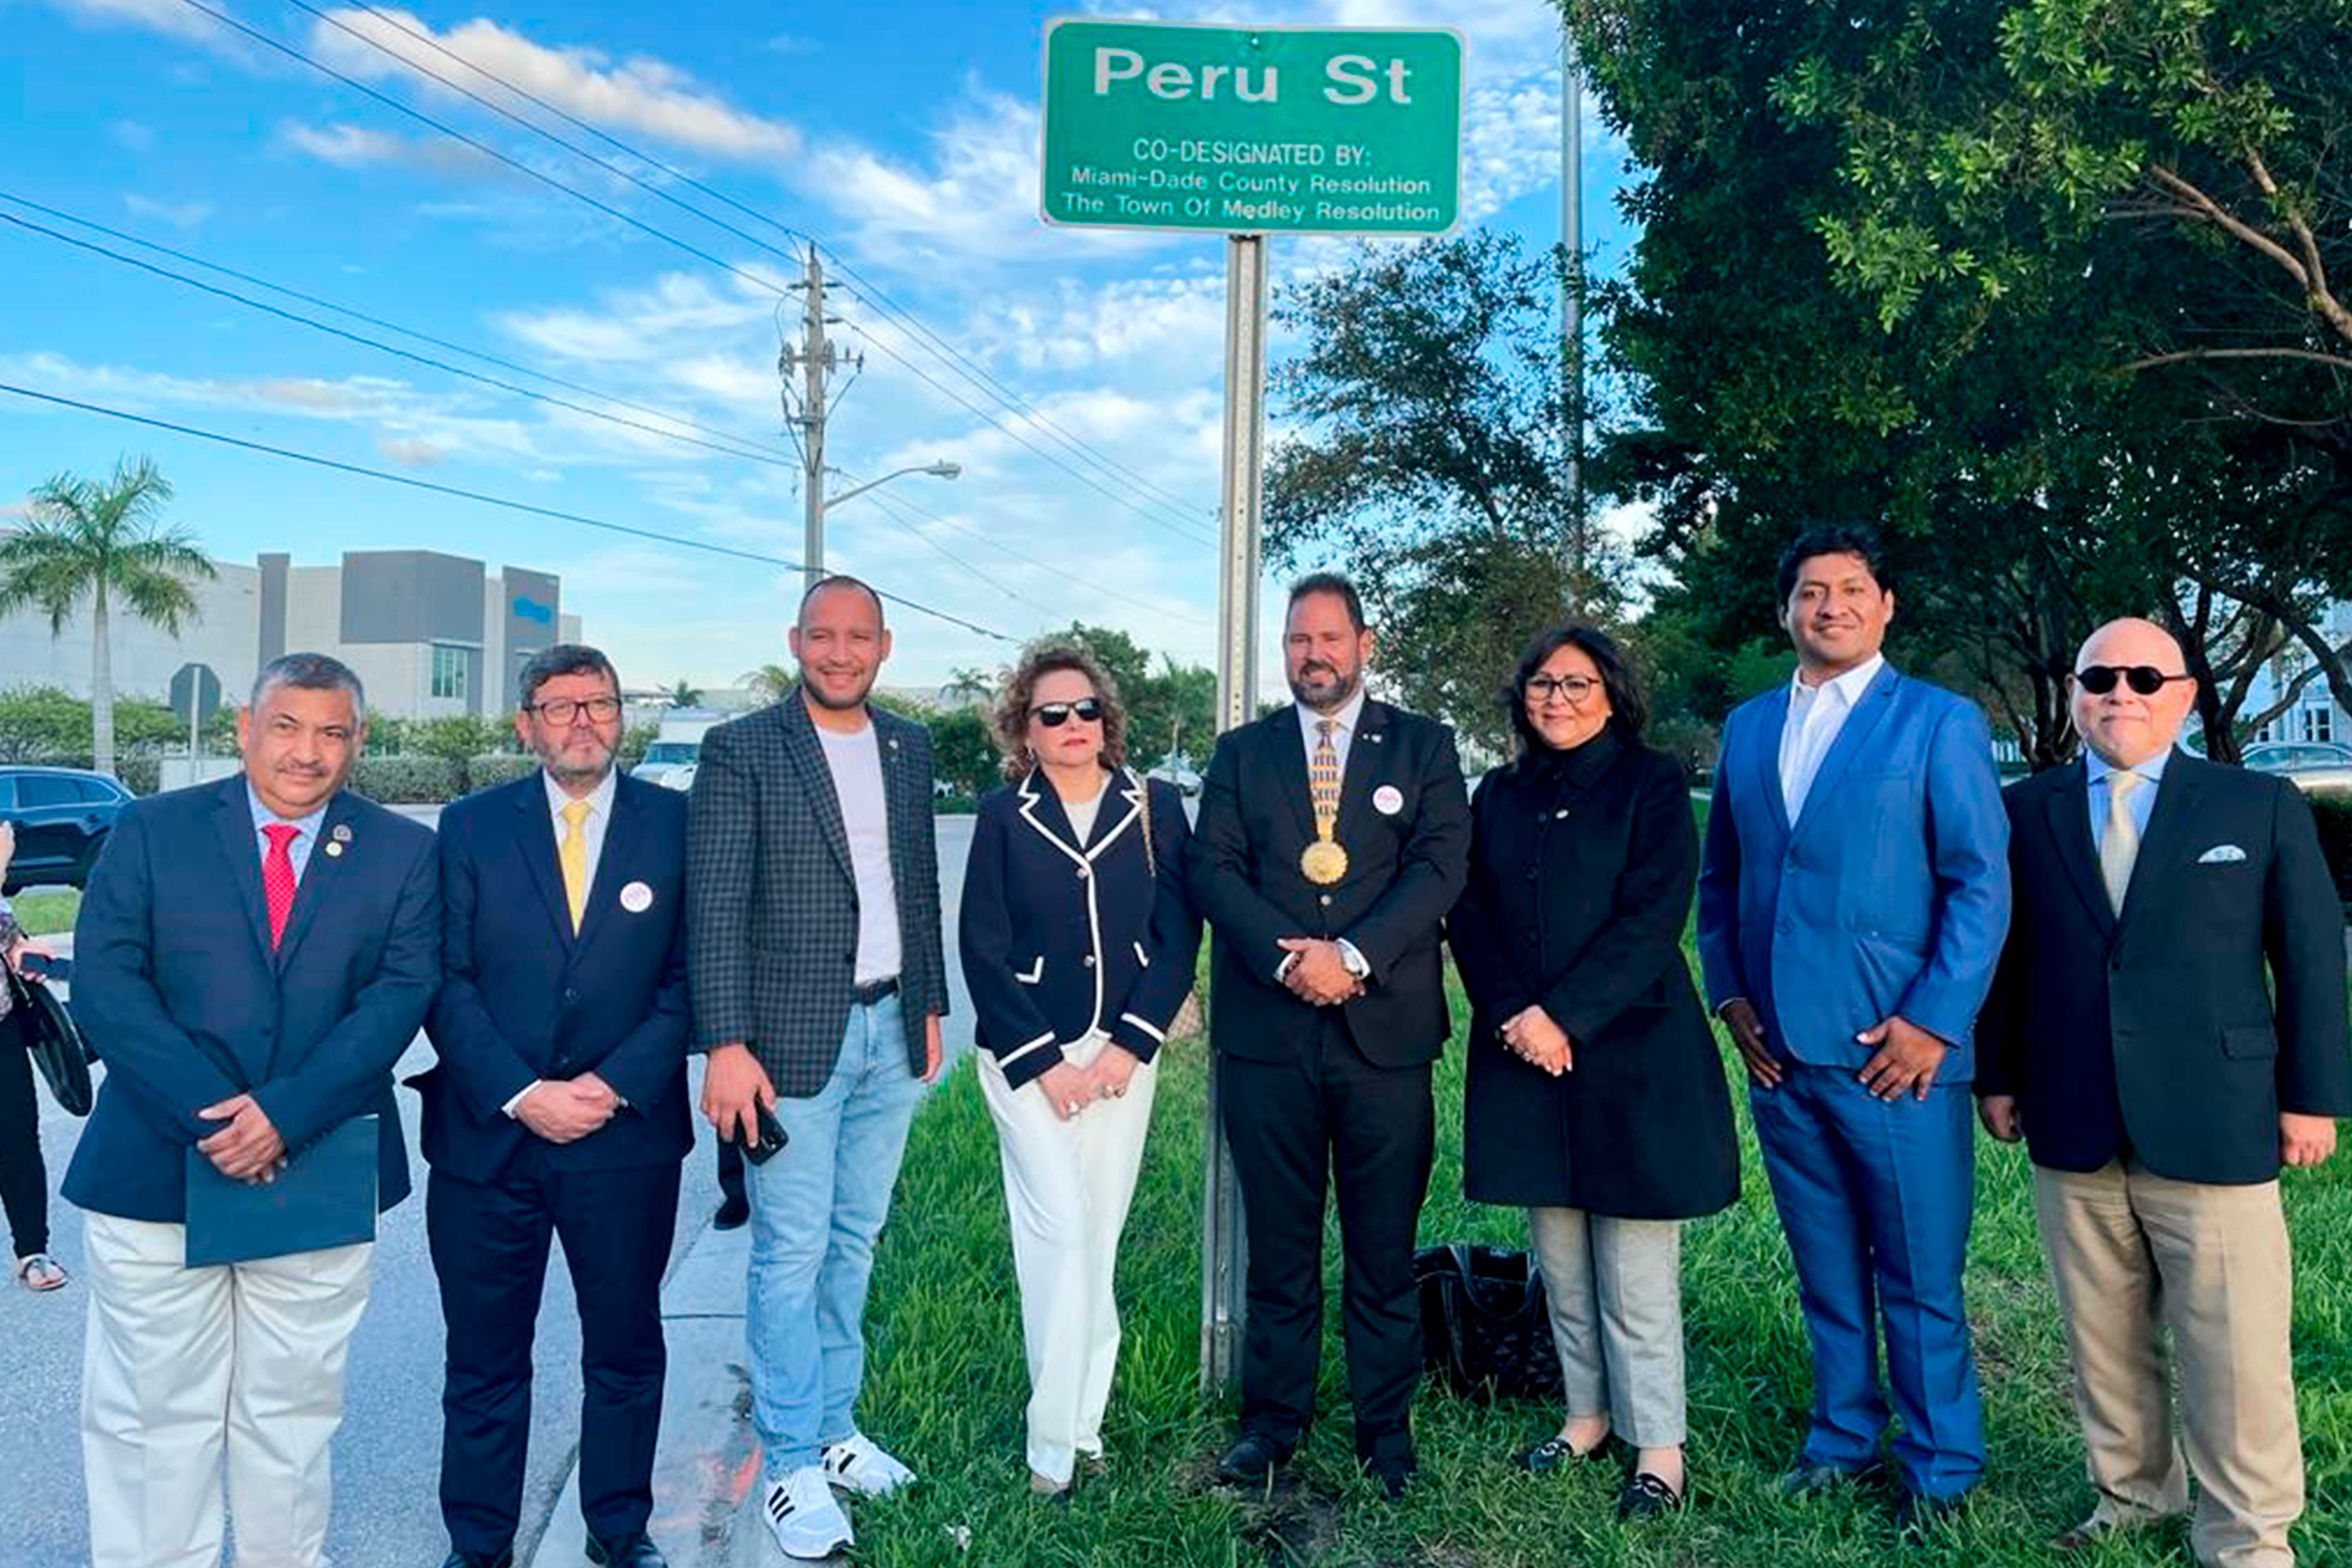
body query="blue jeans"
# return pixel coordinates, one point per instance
(817, 1209)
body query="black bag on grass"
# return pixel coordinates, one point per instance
(1484, 1327)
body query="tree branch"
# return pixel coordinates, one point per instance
(2151, 362)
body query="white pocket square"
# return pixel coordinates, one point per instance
(2220, 855)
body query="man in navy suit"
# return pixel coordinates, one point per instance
(1852, 898)
(252, 957)
(558, 1108)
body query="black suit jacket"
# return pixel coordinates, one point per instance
(2181, 1029)
(1581, 882)
(1405, 868)
(772, 900)
(524, 997)
(1060, 938)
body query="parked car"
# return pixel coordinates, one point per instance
(1177, 768)
(62, 815)
(2314, 767)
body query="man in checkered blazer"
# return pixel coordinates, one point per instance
(813, 955)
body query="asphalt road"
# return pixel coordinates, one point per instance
(386, 1459)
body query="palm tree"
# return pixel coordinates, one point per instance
(102, 541)
(768, 682)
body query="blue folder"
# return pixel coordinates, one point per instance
(324, 1198)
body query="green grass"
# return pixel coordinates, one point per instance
(946, 1387)
(46, 914)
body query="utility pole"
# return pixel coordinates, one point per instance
(815, 359)
(1571, 305)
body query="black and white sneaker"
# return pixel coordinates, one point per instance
(859, 1465)
(803, 1517)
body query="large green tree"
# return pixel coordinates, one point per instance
(103, 542)
(1423, 451)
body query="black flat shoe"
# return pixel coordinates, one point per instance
(1555, 1453)
(1252, 1460)
(1646, 1497)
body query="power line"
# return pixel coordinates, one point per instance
(611, 211)
(366, 341)
(454, 492)
(940, 349)
(393, 327)
(752, 453)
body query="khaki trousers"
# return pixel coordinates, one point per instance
(2134, 1254)
(192, 1378)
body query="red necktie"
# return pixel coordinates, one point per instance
(277, 878)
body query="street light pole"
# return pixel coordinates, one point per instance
(814, 567)
(1571, 304)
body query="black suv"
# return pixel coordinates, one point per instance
(61, 816)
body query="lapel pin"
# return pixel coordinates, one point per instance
(1374, 737)
(637, 898)
(334, 847)
(342, 833)
(1388, 800)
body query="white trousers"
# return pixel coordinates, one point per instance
(194, 1376)
(1067, 1185)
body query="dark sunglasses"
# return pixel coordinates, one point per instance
(2098, 679)
(1053, 715)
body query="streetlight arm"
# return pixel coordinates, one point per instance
(936, 470)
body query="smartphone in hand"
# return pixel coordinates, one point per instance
(772, 1136)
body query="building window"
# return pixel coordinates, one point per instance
(2319, 723)
(449, 672)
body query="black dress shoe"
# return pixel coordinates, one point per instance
(1805, 1479)
(635, 1550)
(1395, 1476)
(733, 1214)
(502, 1558)
(1252, 1460)
(1646, 1496)
(1555, 1453)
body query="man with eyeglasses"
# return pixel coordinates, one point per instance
(2167, 1029)
(1853, 894)
(557, 1109)
(814, 947)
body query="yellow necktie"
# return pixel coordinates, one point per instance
(574, 854)
(2119, 846)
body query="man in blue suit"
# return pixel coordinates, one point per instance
(558, 1108)
(252, 958)
(1853, 900)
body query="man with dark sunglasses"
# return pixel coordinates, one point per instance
(2166, 1030)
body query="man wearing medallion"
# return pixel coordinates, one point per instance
(558, 1108)
(1334, 836)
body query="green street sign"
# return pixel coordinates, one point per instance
(1252, 130)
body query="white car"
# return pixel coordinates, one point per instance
(2314, 767)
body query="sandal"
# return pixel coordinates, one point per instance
(40, 1271)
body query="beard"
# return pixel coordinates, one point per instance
(825, 700)
(1324, 687)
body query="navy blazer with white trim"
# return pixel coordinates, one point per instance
(1061, 938)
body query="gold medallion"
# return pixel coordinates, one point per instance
(1324, 862)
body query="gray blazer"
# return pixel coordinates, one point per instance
(772, 902)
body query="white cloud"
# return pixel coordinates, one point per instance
(179, 215)
(351, 146)
(641, 94)
(409, 452)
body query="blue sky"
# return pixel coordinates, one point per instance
(902, 134)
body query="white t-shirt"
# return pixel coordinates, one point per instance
(855, 762)
(1082, 812)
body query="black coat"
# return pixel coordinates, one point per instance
(2178, 1030)
(1581, 875)
(1406, 829)
(1061, 938)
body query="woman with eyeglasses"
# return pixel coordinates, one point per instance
(1079, 946)
(1596, 1097)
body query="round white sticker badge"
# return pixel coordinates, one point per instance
(1388, 800)
(637, 898)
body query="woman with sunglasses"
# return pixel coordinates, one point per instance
(1596, 1098)
(1079, 946)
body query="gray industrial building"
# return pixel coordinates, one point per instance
(430, 634)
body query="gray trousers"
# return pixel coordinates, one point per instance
(1614, 1289)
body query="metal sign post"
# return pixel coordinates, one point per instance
(1224, 1270)
(1247, 132)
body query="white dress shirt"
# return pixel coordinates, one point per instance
(1816, 714)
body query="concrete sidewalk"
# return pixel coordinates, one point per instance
(707, 1464)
